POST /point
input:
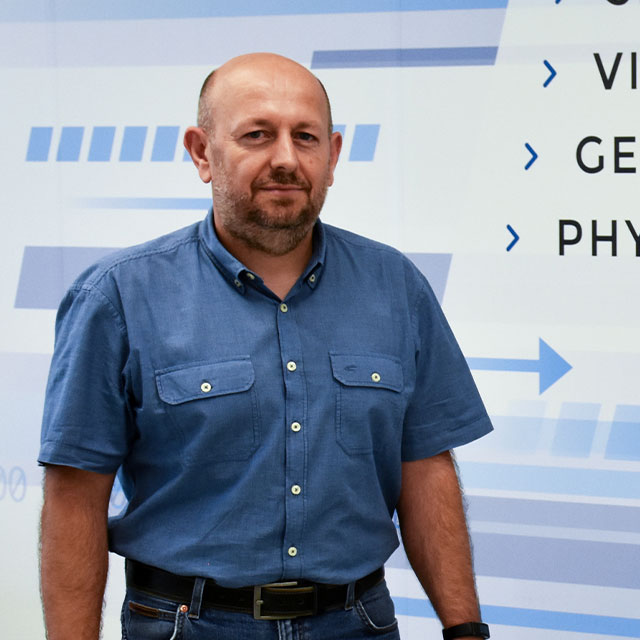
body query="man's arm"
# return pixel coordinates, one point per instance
(435, 537)
(74, 551)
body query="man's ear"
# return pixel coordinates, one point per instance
(335, 145)
(195, 142)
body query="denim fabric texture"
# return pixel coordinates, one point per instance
(257, 440)
(146, 617)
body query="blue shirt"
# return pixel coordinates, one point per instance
(257, 440)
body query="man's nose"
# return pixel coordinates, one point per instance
(285, 155)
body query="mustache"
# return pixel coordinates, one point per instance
(281, 177)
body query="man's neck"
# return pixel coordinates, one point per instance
(279, 273)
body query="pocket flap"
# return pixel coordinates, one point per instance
(205, 380)
(370, 370)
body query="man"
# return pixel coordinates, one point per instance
(270, 389)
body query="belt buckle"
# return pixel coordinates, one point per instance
(286, 587)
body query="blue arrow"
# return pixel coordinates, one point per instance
(516, 237)
(534, 156)
(549, 365)
(554, 73)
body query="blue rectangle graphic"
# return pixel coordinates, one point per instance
(47, 272)
(133, 144)
(365, 138)
(70, 144)
(39, 144)
(624, 438)
(37, 11)
(534, 618)
(430, 57)
(101, 144)
(164, 144)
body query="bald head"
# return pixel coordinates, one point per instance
(253, 67)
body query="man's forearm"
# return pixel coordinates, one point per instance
(74, 552)
(435, 537)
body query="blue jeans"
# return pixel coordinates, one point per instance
(146, 617)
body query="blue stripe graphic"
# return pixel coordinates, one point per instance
(575, 429)
(552, 480)
(39, 144)
(188, 204)
(101, 144)
(534, 618)
(70, 144)
(37, 11)
(133, 144)
(365, 138)
(164, 145)
(624, 439)
(47, 272)
(431, 57)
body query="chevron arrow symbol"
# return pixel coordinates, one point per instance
(534, 156)
(550, 366)
(516, 237)
(553, 73)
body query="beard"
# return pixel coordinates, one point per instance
(274, 229)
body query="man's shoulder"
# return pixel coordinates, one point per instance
(137, 257)
(353, 242)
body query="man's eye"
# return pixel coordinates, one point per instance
(307, 137)
(255, 135)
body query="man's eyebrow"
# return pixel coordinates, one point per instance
(265, 122)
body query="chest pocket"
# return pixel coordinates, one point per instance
(369, 403)
(215, 407)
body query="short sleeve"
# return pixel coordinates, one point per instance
(446, 410)
(85, 420)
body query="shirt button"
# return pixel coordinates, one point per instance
(284, 308)
(237, 283)
(296, 426)
(205, 387)
(291, 365)
(375, 377)
(250, 275)
(293, 552)
(295, 489)
(312, 278)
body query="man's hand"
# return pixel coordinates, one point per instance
(74, 551)
(435, 537)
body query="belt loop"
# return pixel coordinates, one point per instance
(351, 596)
(196, 598)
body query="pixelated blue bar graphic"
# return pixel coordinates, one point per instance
(70, 144)
(133, 144)
(552, 480)
(101, 144)
(365, 138)
(575, 429)
(39, 144)
(430, 57)
(164, 144)
(435, 268)
(187, 204)
(47, 272)
(37, 11)
(533, 618)
(624, 438)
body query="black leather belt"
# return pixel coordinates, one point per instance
(274, 601)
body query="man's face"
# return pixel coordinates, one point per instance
(270, 153)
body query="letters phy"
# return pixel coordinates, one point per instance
(570, 233)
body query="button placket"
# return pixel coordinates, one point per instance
(294, 442)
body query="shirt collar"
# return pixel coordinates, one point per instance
(239, 276)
